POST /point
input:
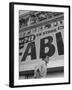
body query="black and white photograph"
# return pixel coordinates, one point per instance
(41, 44)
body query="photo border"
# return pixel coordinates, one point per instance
(11, 42)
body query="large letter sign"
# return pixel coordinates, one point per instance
(49, 44)
(39, 44)
(60, 43)
(32, 53)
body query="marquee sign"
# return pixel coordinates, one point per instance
(41, 41)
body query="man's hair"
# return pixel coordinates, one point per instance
(45, 57)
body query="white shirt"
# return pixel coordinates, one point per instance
(42, 67)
